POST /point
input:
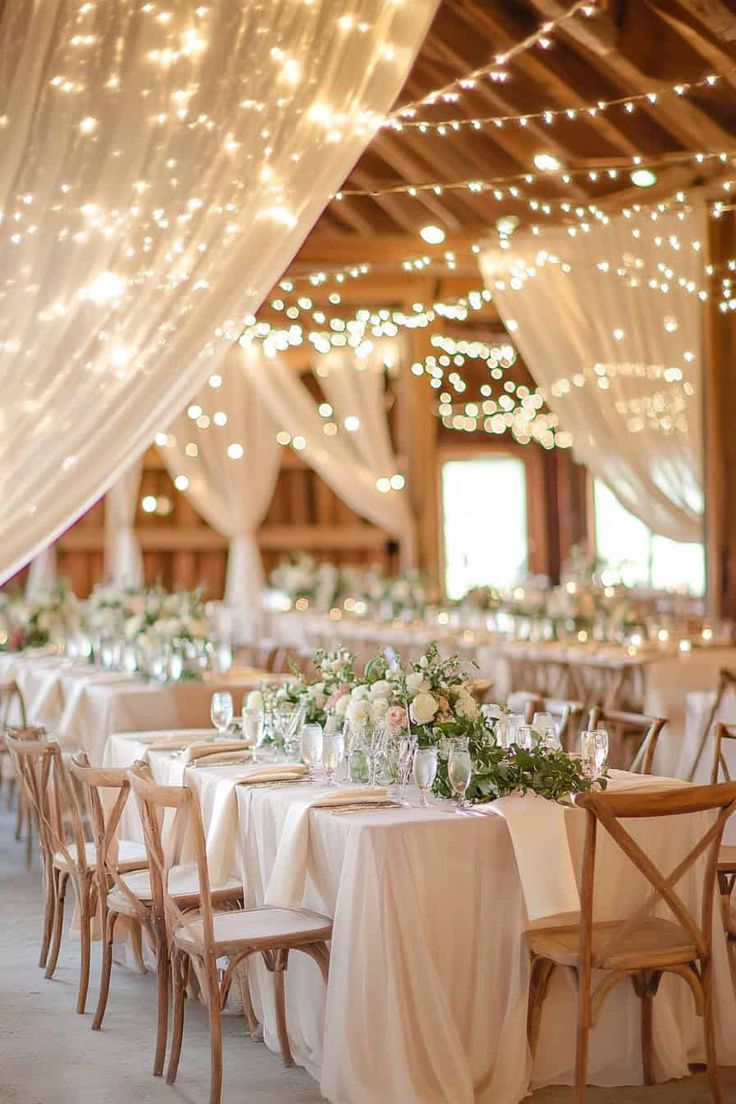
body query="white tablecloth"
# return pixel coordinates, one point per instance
(82, 706)
(426, 1002)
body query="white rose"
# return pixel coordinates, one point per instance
(466, 705)
(360, 693)
(379, 709)
(424, 662)
(423, 708)
(318, 695)
(342, 704)
(416, 683)
(380, 689)
(254, 700)
(358, 711)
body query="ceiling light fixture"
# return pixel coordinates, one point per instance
(432, 235)
(546, 162)
(643, 178)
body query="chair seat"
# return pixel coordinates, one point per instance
(131, 856)
(654, 943)
(727, 859)
(258, 928)
(183, 883)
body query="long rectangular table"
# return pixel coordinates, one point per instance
(427, 996)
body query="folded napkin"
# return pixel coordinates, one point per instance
(289, 874)
(275, 772)
(539, 837)
(221, 749)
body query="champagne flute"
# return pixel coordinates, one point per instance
(407, 747)
(594, 752)
(375, 741)
(333, 750)
(312, 741)
(253, 727)
(425, 772)
(221, 711)
(459, 773)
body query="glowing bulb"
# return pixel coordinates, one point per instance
(219, 418)
(149, 504)
(235, 451)
(643, 178)
(546, 162)
(351, 423)
(181, 482)
(432, 235)
(507, 224)
(106, 287)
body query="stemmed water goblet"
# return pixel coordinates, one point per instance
(459, 772)
(525, 737)
(221, 711)
(375, 742)
(425, 772)
(333, 750)
(407, 744)
(544, 724)
(594, 752)
(254, 728)
(312, 743)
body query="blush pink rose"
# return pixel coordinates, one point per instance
(396, 718)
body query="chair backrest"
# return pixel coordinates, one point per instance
(620, 721)
(39, 764)
(106, 822)
(721, 732)
(164, 853)
(562, 710)
(11, 692)
(609, 810)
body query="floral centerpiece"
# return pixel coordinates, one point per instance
(47, 618)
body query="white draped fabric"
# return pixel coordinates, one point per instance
(123, 557)
(232, 470)
(609, 325)
(156, 177)
(351, 463)
(42, 572)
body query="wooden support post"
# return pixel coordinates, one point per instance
(719, 408)
(417, 441)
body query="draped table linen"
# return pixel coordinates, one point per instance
(427, 994)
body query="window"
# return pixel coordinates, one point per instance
(484, 523)
(638, 557)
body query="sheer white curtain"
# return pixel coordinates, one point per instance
(351, 463)
(123, 557)
(42, 572)
(226, 448)
(158, 171)
(609, 324)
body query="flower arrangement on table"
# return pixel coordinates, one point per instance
(47, 618)
(432, 698)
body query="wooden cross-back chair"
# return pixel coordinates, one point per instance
(563, 711)
(727, 854)
(67, 853)
(198, 940)
(726, 682)
(129, 895)
(640, 947)
(11, 695)
(626, 729)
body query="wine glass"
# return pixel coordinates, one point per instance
(407, 744)
(221, 711)
(374, 746)
(353, 735)
(333, 750)
(425, 772)
(312, 740)
(513, 723)
(525, 737)
(460, 772)
(544, 724)
(594, 751)
(254, 728)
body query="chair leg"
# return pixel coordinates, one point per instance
(647, 1040)
(136, 943)
(85, 939)
(542, 970)
(106, 970)
(213, 1006)
(710, 1035)
(162, 986)
(60, 880)
(49, 908)
(279, 973)
(254, 1028)
(179, 971)
(583, 1027)
(29, 836)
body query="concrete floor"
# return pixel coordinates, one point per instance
(48, 1055)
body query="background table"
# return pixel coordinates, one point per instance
(426, 1001)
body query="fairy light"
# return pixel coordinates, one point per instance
(548, 116)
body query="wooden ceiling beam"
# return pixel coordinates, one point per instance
(392, 205)
(686, 122)
(682, 21)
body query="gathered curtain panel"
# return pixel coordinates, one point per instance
(351, 462)
(226, 448)
(123, 556)
(42, 572)
(156, 178)
(609, 323)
